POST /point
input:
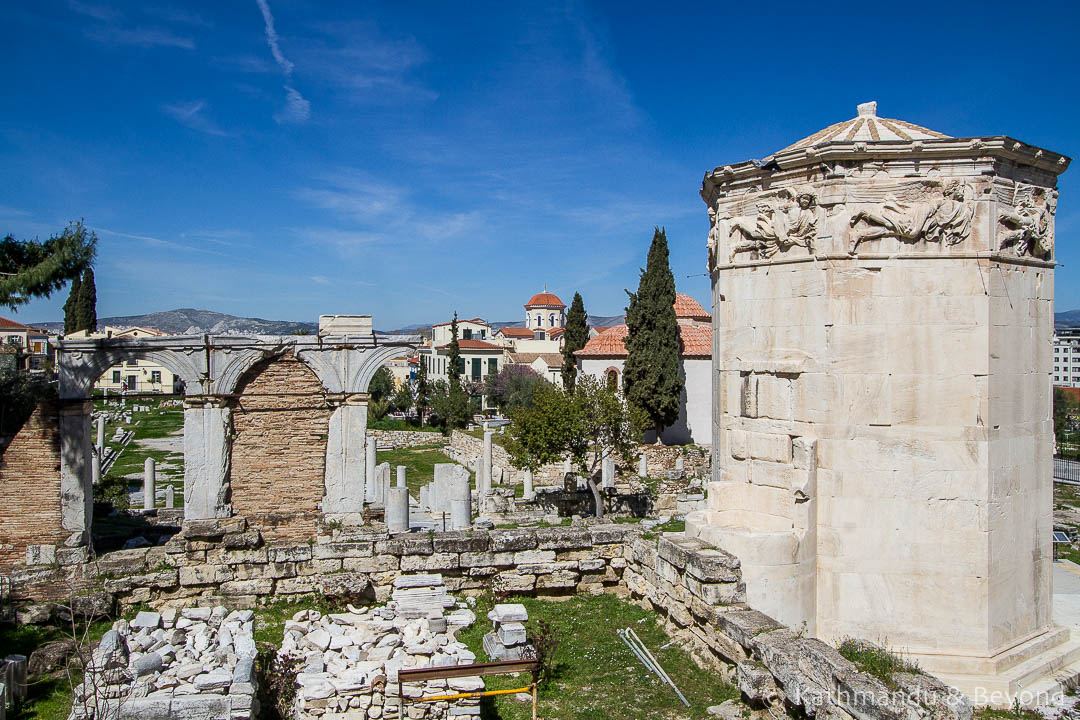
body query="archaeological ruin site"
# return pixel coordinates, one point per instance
(880, 473)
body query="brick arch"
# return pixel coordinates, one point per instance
(280, 418)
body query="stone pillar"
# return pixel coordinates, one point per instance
(680, 464)
(425, 494)
(486, 464)
(397, 510)
(345, 475)
(528, 492)
(149, 484)
(207, 455)
(95, 467)
(460, 502)
(101, 434)
(643, 466)
(76, 494)
(401, 476)
(170, 499)
(607, 472)
(382, 483)
(371, 460)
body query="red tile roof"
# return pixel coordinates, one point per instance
(474, 345)
(555, 332)
(516, 332)
(545, 299)
(688, 307)
(11, 324)
(696, 341)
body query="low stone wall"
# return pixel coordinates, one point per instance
(697, 459)
(699, 589)
(222, 562)
(397, 439)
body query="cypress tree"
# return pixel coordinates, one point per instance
(71, 316)
(651, 371)
(453, 356)
(575, 336)
(422, 387)
(86, 308)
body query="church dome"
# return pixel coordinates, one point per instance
(545, 299)
(866, 126)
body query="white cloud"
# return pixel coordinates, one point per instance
(191, 114)
(296, 109)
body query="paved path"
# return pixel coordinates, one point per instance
(1067, 593)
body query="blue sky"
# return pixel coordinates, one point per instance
(285, 158)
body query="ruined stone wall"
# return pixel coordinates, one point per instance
(30, 488)
(406, 438)
(698, 589)
(280, 422)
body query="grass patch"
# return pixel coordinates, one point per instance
(419, 464)
(1016, 714)
(48, 698)
(596, 677)
(877, 661)
(159, 423)
(1066, 495)
(675, 526)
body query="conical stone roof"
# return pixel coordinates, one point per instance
(866, 126)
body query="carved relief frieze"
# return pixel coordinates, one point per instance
(1027, 229)
(782, 221)
(943, 214)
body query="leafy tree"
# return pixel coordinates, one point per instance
(575, 336)
(33, 269)
(20, 392)
(377, 409)
(86, 306)
(422, 389)
(585, 424)
(651, 372)
(382, 384)
(71, 314)
(453, 355)
(1064, 412)
(512, 387)
(403, 398)
(451, 404)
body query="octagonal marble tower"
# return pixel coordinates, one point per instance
(882, 435)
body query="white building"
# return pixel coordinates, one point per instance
(1067, 357)
(603, 357)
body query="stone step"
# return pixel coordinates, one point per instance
(998, 664)
(1044, 673)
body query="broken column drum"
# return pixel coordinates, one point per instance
(882, 319)
(149, 483)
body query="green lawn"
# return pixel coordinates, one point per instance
(159, 422)
(596, 677)
(419, 465)
(48, 698)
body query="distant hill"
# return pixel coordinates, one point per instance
(188, 321)
(1069, 318)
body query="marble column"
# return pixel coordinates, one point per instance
(149, 484)
(528, 492)
(607, 472)
(345, 475)
(101, 434)
(370, 464)
(485, 464)
(170, 498)
(643, 466)
(95, 467)
(76, 493)
(400, 476)
(397, 510)
(207, 456)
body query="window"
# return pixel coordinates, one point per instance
(466, 334)
(155, 376)
(461, 366)
(477, 363)
(116, 377)
(493, 366)
(613, 380)
(39, 347)
(538, 335)
(551, 320)
(483, 334)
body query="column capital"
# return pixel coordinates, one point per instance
(205, 401)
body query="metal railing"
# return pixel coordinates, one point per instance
(1067, 470)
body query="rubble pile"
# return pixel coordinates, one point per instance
(198, 662)
(350, 661)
